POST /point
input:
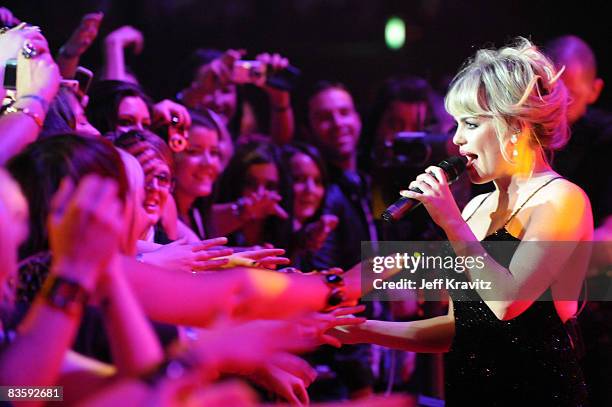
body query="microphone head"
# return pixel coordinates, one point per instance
(453, 167)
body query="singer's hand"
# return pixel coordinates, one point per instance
(437, 197)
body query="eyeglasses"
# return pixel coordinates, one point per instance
(162, 180)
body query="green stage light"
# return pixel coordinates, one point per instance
(395, 33)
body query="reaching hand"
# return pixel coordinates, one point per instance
(346, 326)
(35, 76)
(168, 112)
(318, 324)
(126, 36)
(84, 35)
(183, 256)
(85, 226)
(7, 18)
(266, 258)
(188, 390)
(244, 347)
(287, 385)
(316, 233)
(294, 365)
(259, 206)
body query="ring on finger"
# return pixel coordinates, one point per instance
(28, 50)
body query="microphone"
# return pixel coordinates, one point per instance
(453, 167)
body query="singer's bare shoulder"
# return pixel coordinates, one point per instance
(561, 211)
(471, 206)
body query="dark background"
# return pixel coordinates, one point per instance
(331, 39)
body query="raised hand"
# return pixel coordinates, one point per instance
(259, 206)
(39, 75)
(85, 227)
(126, 36)
(84, 35)
(279, 99)
(218, 72)
(168, 112)
(7, 18)
(316, 233)
(12, 41)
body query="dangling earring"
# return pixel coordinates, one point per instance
(514, 140)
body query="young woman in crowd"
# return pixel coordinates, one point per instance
(254, 186)
(197, 168)
(311, 227)
(121, 106)
(66, 115)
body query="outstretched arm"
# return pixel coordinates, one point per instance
(81, 39)
(432, 335)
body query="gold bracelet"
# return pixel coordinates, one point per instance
(28, 112)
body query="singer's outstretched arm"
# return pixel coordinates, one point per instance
(432, 335)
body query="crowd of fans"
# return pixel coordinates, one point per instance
(195, 250)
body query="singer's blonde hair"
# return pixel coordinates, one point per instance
(519, 88)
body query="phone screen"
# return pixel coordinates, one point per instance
(84, 76)
(10, 75)
(285, 79)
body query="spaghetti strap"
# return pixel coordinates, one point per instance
(479, 205)
(528, 198)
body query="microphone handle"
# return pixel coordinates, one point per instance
(401, 207)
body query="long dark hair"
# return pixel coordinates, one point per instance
(289, 152)
(40, 168)
(104, 100)
(232, 183)
(60, 118)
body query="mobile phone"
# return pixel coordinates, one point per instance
(244, 72)
(84, 76)
(285, 79)
(71, 84)
(10, 75)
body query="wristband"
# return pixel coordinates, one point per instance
(43, 103)
(335, 282)
(64, 294)
(28, 112)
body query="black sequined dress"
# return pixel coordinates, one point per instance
(526, 361)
